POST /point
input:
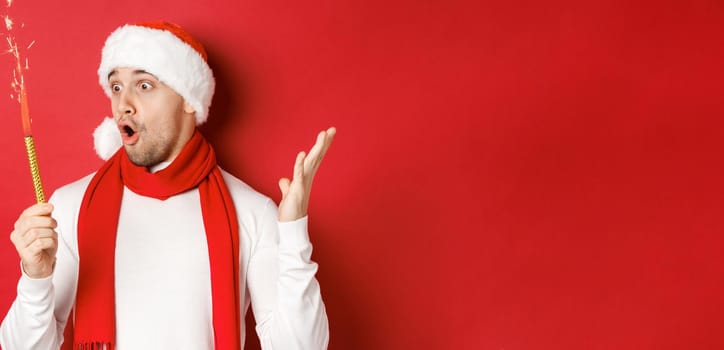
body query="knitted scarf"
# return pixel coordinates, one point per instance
(194, 167)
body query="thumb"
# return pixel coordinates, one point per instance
(284, 184)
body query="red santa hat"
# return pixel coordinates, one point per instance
(168, 52)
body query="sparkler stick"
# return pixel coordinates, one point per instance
(19, 86)
(30, 147)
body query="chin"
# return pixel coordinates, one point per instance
(144, 159)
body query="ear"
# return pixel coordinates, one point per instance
(188, 108)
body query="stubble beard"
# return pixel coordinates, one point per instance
(149, 154)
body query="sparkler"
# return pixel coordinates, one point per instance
(18, 85)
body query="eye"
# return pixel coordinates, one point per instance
(146, 85)
(115, 87)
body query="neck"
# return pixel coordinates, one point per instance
(159, 166)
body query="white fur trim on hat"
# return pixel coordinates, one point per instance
(107, 139)
(161, 53)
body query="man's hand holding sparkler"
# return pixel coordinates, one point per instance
(36, 241)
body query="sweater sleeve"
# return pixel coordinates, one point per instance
(38, 315)
(285, 295)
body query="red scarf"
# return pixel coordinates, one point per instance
(194, 167)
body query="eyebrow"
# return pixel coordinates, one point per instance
(135, 72)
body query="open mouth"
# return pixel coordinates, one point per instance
(128, 133)
(128, 130)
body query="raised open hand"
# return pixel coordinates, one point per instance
(295, 193)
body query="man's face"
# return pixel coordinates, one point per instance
(154, 121)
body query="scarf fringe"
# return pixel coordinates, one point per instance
(97, 345)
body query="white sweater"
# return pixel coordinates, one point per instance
(163, 288)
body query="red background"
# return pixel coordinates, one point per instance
(507, 175)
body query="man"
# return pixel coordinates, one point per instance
(161, 249)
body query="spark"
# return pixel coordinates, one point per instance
(18, 82)
(10, 3)
(8, 23)
(31, 44)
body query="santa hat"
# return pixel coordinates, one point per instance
(168, 52)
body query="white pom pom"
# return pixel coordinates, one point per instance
(107, 138)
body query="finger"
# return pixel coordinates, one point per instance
(299, 167)
(40, 244)
(32, 253)
(35, 234)
(39, 221)
(24, 224)
(313, 158)
(329, 137)
(16, 238)
(284, 186)
(316, 154)
(26, 233)
(38, 210)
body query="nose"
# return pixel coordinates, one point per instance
(125, 105)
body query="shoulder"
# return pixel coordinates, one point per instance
(256, 215)
(71, 195)
(243, 194)
(66, 201)
(250, 204)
